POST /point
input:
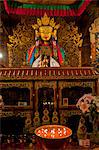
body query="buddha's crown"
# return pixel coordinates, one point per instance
(45, 21)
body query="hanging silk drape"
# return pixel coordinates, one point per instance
(13, 7)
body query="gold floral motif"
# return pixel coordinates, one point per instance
(19, 43)
(36, 119)
(71, 41)
(46, 118)
(55, 117)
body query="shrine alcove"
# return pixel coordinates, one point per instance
(16, 96)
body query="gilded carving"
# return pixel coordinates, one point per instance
(12, 113)
(45, 118)
(19, 43)
(55, 117)
(36, 119)
(16, 84)
(94, 40)
(71, 84)
(28, 120)
(71, 40)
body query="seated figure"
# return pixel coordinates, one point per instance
(46, 52)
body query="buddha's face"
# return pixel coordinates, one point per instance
(45, 32)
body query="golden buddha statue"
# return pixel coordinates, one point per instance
(46, 52)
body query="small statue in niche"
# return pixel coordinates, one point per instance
(46, 52)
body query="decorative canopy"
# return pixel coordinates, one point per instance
(55, 8)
